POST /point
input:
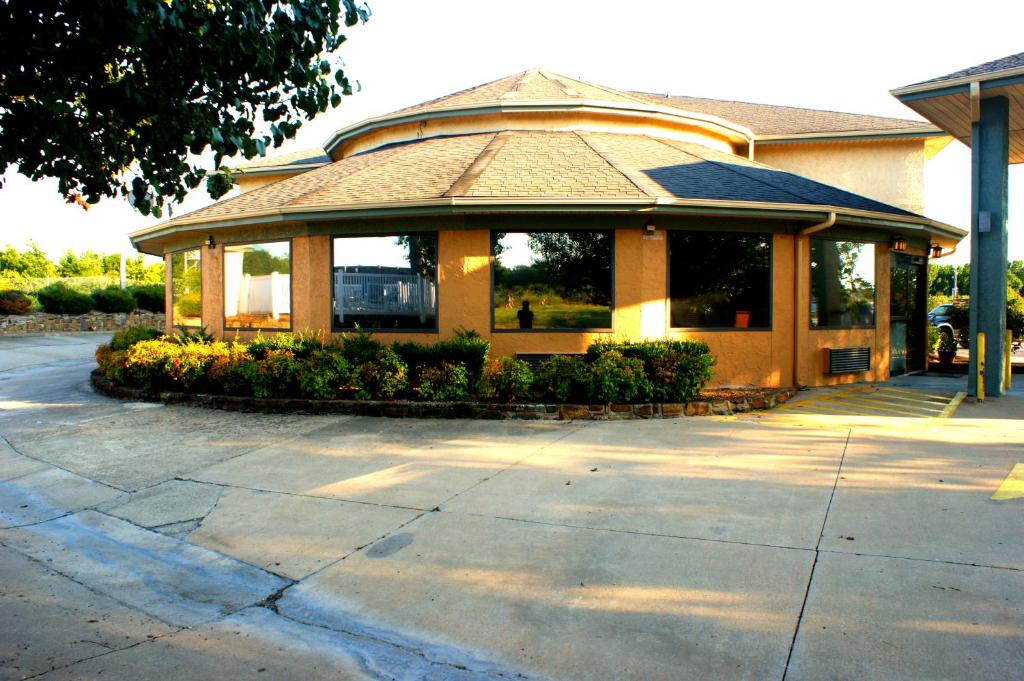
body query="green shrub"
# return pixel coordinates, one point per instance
(617, 379)
(191, 336)
(563, 378)
(360, 346)
(323, 375)
(509, 379)
(14, 302)
(59, 299)
(150, 297)
(445, 383)
(186, 366)
(142, 364)
(677, 370)
(113, 299)
(301, 344)
(278, 375)
(188, 305)
(465, 347)
(125, 338)
(934, 338)
(381, 377)
(232, 372)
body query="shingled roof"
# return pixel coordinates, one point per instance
(769, 120)
(1014, 61)
(518, 166)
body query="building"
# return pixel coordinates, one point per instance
(545, 213)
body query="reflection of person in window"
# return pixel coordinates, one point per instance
(525, 316)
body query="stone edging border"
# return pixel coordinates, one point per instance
(451, 410)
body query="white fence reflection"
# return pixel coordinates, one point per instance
(406, 295)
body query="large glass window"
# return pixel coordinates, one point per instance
(842, 283)
(552, 280)
(720, 280)
(386, 282)
(186, 288)
(257, 286)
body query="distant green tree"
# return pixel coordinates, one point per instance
(30, 263)
(87, 264)
(120, 97)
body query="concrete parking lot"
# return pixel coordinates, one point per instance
(143, 541)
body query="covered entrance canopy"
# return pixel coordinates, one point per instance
(983, 107)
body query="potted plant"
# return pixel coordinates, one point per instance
(947, 349)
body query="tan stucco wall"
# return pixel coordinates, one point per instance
(762, 358)
(889, 171)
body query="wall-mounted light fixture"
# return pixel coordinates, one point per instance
(899, 244)
(209, 242)
(936, 251)
(649, 226)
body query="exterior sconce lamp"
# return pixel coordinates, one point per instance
(936, 251)
(649, 227)
(899, 244)
(209, 242)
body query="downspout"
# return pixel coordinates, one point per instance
(797, 259)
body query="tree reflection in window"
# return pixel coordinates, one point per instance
(186, 288)
(842, 283)
(720, 280)
(563, 278)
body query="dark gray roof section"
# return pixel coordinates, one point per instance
(1014, 61)
(295, 158)
(727, 177)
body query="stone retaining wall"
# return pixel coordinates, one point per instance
(44, 322)
(453, 410)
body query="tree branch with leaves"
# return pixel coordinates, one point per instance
(121, 97)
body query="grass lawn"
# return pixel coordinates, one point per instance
(557, 316)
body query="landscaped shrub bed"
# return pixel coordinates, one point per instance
(357, 366)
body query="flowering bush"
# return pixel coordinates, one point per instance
(311, 366)
(444, 383)
(563, 378)
(509, 379)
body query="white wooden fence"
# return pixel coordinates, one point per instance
(407, 295)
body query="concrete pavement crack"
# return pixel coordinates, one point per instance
(817, 553)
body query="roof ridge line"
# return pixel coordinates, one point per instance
(733, 169)
(374, 162)
(623, 93)
(465, 181)
(607, 158)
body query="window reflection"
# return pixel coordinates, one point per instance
(552, 280)
(186, 288)
(842, 283)
(386, 282)
(720, 280)
(257, 286)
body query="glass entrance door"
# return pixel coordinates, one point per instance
(907, 302)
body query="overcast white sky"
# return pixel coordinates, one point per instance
(838, 56)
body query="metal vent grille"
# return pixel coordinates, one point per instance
(535, 359)
(849, 360)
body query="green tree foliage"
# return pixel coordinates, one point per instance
(118, 97)
(33, 264)
(30, 263)
(576, 262)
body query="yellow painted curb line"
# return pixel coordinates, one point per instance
(951, 407)
(871, 407)
(881, 403)
(1013, 485)
(791, 404)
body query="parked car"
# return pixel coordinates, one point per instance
(950, 319)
